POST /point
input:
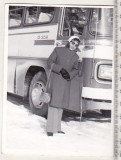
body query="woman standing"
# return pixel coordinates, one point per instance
(65, 68)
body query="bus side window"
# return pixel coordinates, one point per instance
(15, 16)
(46, 14)
(36, 15)
(101, 21)
(31, 15)
(66, 26)
(74, 22)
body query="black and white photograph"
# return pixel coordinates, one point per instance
(59, 80)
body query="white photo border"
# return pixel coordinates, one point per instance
(3, 62)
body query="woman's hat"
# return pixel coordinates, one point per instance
(73, 37)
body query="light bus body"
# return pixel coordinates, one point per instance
(35, 31)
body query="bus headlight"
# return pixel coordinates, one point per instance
(105, 72)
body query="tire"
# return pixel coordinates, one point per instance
(26, 85)
(37, 85)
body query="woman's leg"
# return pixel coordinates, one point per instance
(53, 119)
(60, 113)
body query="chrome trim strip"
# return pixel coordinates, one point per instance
(11, 34)
(29, 58)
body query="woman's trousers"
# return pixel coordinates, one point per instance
(54, 119)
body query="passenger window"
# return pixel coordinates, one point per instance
(102, 22)
(31, 15)
(15, 16)
(74, 21)
(36, 15)
(46, 14)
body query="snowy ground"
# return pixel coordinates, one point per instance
(25, 133)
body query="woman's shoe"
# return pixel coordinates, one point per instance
(49, 133)
(61, 132)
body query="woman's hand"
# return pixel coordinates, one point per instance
(65, 74)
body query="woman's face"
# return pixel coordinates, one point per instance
(73, 45)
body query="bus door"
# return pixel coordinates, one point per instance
(73, 21)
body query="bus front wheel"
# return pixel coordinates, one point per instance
(37, 86)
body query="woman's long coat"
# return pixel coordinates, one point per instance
(65, 94)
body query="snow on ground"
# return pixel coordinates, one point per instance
(26, 133)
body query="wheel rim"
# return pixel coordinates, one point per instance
(36, 94)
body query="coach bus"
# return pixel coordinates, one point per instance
(33, 33)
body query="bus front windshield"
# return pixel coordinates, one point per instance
(101, 22)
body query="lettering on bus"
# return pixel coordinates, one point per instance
(42, 37)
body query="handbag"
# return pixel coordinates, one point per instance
(45, 96)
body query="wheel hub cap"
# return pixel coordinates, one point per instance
(37, 93)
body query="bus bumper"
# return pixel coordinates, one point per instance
(96, 99)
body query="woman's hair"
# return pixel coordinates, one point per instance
(76, 39)
(68, 43)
